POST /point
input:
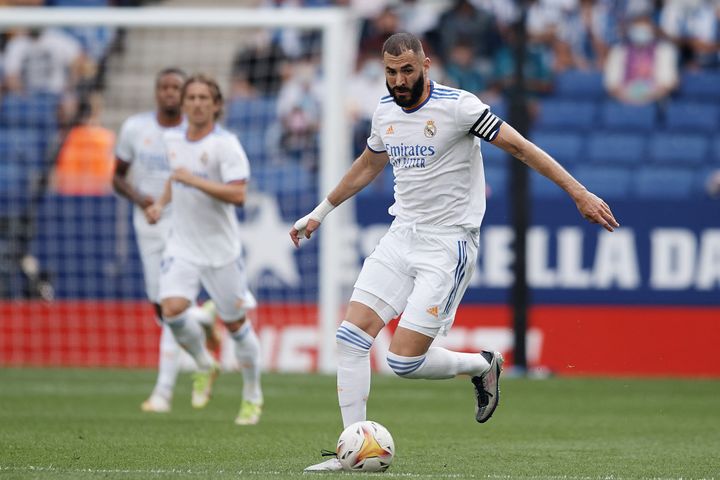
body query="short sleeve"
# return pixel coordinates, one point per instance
(475, 117)
(123, 147)
(375, 142)
(234, 164)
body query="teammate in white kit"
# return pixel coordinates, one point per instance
(431, 135)
(209, 174)
(141, 171)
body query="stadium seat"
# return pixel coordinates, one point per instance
(679, 149)
(24, 146)
(37, 111)
(651, 182)
(542, 187)
(715, 154)
(577, 84)
(607, 182)
(566, 115)
(566, 148)
(496, 181)
(694, 117)
(616, 148)
(283, 178)
(251, 119)
(493, 155)
(700, 86)
(620, 117)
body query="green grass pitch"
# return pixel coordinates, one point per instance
(81, 424)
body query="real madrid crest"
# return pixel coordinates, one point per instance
(204, 158)
(430, 129)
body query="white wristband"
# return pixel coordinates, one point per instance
(321, 211)
(318, 214)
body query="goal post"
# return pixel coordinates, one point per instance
(338, 41)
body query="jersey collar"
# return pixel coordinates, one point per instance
(432, 87)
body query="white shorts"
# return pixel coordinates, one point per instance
(151, 249)
(421, 272)
(226, 285)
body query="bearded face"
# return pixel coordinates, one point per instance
(407, 96)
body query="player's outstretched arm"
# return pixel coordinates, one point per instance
(591, 207)
(363, 171)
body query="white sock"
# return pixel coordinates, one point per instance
(353, 373)
(168, 364)
(247, 352)
(190, 336)
(438, 363)
(200, 315)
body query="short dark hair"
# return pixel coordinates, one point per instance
(212, 84)
(399, 43)
(170, 71)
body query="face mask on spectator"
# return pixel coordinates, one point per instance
(641, 34)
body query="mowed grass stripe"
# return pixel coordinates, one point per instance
(84, 423)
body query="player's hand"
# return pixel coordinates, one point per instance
(595, 210)
(153, 213)
(146, 201)
(303, 227)
(182, 175)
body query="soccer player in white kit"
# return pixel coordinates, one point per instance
(209, 174)
(431, 135)
(141, 171)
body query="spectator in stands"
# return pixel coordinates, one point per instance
(299, 110)
(86, 161)
(367, 87)
(537, 68)
(463, 20)
(643, 68)
(47, 61)
(692, 25)
(581, 44)
(376, 30)
(258, 69)
(461, 70)
(417, 17)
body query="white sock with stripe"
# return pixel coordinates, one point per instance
(190, 336)
(353, 373)
(437, 364)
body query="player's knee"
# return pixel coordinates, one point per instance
(235, 325)
(352, 340)
(173, 307)
(406, 367)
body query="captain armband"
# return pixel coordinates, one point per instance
(487, 126)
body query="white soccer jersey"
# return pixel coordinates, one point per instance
(204, 230)
(435, 153)
(141, 144)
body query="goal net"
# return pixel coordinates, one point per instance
(71, 281)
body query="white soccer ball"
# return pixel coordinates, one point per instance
(365, 446)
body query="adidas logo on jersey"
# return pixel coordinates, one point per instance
(433, 311)
(389, 130)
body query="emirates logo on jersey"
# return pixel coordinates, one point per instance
(430, 129)
(204, 158)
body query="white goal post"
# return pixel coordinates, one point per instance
(338, 41)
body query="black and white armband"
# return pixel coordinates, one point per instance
(487, 126)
